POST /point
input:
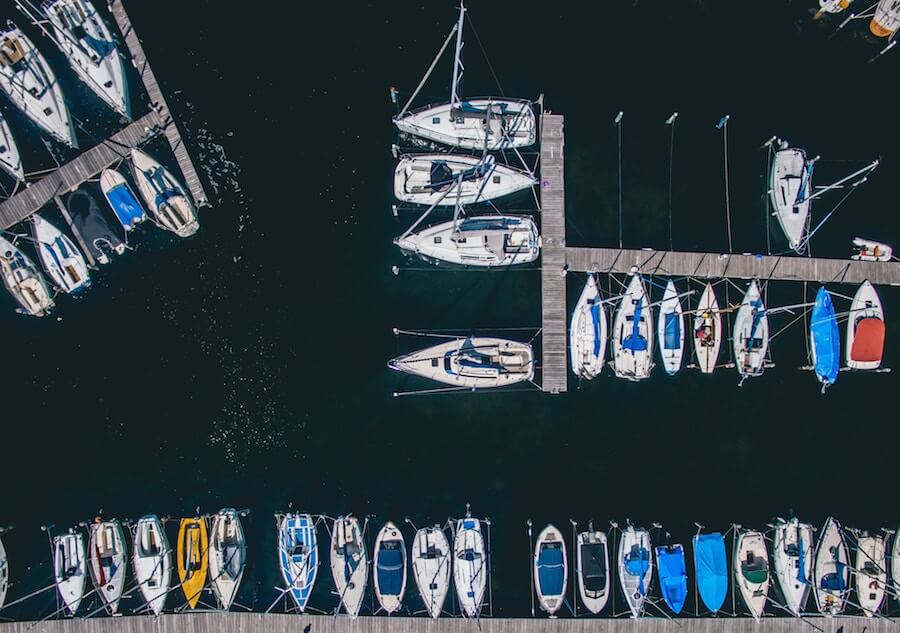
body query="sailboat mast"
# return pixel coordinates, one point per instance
(868, 168)
(457, 58)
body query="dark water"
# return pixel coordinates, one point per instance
(246, 367)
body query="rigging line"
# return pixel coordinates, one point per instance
(830, 213)
(428, 72)
(484, 54)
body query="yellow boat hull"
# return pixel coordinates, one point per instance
(193, 558)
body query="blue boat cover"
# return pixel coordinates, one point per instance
(297, 550)
(634, 342)
(390, 568)
(127, 209)
(801, 562)
(672, 576)
(804, 182)
(550, 566)
(711, 567)
(595, 318)
(637, 562)
(823, 330)
(672, 331)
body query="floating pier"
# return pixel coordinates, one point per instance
(226, 622)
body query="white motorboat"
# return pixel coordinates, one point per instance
(793, 553)
(152, 560)
(708, 333)
(448, 179)
(227, 555)
(60, 258)
(871, 251)
(390, 568)
(349, 564)
(832, 572)
(10, 160)
(121, 199)
(751, 334)
(670, 329)
(23, 280)
(551, 569)
(431, 568)
(83, 37)
(635, 567)
(469, 566)
(593, 570)
(472, 362)
(588, 332)
(28, 81)
(871, 573)
(865, 329)
(70, 568)
(790, 186)
(631, 334)
(107, 560)
(168, 202)
(751, 571)
(484, 241)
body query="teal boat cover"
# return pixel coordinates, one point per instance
(551, 567)
(672, 576)
(711, 565)
(823, 330)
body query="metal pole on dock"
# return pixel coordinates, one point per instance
(618, 122)
(671, 123)
(531, 566)
(723, 125)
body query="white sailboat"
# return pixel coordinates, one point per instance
(424, 178)
(631, 338)
(670, 329)
(588, 332)
(832, 572)
(708, 332)
(23, 280)
(793, 553)
(635, 567)
(751, 571)
(593, 570)
(751, 334)
(152, 559)
(390, 568)
(30, 84)
(871, 573)
(107, 560)
(168, 202)
(60, 258)
(70, 568)
(865, 329)
(469, 566)
(349, 564)
(83, 37)
(551, 569)
(790, 186)
(431, 568)
(472, 362)
(489, 123)
(227, 555)
(10, 160)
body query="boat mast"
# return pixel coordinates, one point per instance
(458, 68)
(864, 171)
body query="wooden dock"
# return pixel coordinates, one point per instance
(272, 623)
(554, 368)
(72, 174)
(158, 103)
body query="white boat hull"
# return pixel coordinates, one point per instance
(865, 312)
(152, 560)
(550, 538)
(107, 561)
(635, 586)
(60, 258)
(168, 202)
(227, 556)
(793, 554)
(632, 341)
(70, 569)
(751, 571)
(389, 538)
(790, 186)
(832, 570)
(751, 334)
(469, 566)
(588, 332)
(431, 568)
(511, 123)
(349, 564)
(871, 573)
(433, 179)
(670, 330)
(708, 332)
(593, 589)
(298, 555)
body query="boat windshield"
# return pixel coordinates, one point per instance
(593, 567)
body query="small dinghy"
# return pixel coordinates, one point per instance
(635, 567)
(751, 334)
(793, 553)
(448, 179)
(10, 160)
(588, 332)
(227, 555)
(61, 260)
(390, 568)
(168, 202)
(193, 558)
(670, 329)
(708, 333)
(593, 570)
(751, 571)
(121, 199)
(485, 241)
(431, 568)
(24, 282)
(28, 81)
(349, 565)
(672, 576)
(632, 342)
(83, 37)
(832, 572)
(298, 556)
(826, 340)
(4, 574)
(101, 239)
(551, 569)
(865, 329)
(711, 565)
(870, 251)
(473, 362)
(469, 566)
(108, 561)
(152, 559)
(70, 568)
(790, 185)
(871, 573)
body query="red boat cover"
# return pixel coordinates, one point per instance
(868, 344)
